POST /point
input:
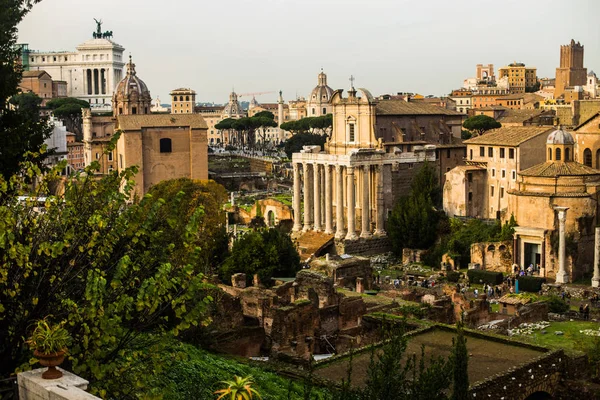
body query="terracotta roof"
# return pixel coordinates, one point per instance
(519, 116)
(510, 135)
(400, 107)
(490, 108)
(587, 120)
(559, 168)
(34, 74)
(135, 122)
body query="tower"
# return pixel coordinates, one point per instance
(571, 71)
(280, 117)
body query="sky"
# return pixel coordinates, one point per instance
(389, 46)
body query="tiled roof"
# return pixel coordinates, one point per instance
(559, 168)
(135, 122)
(510, 135)
(508, 299)
(34, 74)
(519, 116)
(400, 107)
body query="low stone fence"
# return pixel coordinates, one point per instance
(68, 387)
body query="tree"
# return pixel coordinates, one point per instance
(104, 266)
(183, 197)
(481, 124)
(460, 363)
(317, 125)
(68, 110)
(21, 136)
(299, 140)
(238, 389)
(266, 252)
(414, 220)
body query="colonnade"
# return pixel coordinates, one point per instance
(96, 80)
(317, 187)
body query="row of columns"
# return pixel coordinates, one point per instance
(96, 81)
(317, 196)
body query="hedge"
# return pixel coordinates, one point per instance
(530, 283)
(453, 276)
(489, 277)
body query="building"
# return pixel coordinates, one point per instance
(161, 146)
(56, 142)
(571, 71)
(38, 82)
(183, 101)
(319, 101)
(587, 142)
(555, 202)
(157, 107)
(592, 87)
(91, 72)
(485, 74)
(482, 100)
(462, 99)
(521, 79)
(281, 112)
(74, 153)
(479, 188)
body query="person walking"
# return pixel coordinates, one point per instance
(586, 312)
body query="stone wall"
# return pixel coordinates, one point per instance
(412, 255)
(362, 246)
(493, 256)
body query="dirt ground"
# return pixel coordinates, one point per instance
(486, 357)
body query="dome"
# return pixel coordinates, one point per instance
(131, 84)
(233, 107)
(321, 93)
(560, 136)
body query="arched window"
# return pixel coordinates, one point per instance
(587, 157)
(180, 98)
(187, 98)
(558, 157)
(134, 110)
(567, 154)
(165, 145)
(550, 154)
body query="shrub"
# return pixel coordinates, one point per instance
(530, 283)
(453, 276)
(490, 277)
(557, 305)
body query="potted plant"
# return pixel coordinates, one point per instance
(49, 343)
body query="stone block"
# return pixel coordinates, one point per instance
(70, 386)
(238, 280)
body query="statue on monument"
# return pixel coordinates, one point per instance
(98, 33)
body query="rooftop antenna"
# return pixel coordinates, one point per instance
(352, 81)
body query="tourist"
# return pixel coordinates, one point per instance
(530, 270)
(581, 311)
(586, 312)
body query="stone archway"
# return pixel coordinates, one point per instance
(541, 395)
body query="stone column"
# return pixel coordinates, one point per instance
(562, 276)
(317, 195)
(297, 204)
(379, 221)
(328, 201)
(308, 221)
(596, 277)
(340, 232)
(351, 235)
(365, 231)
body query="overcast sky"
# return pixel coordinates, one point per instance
(424, 46)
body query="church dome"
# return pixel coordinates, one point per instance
(131, 83)
(131, 95)
(560, 136)
(321, 93)
(232, 108)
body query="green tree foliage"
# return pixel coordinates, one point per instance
(414, 220)
(460, 363)
(481, 124)
(297, 141)
(183, 197)
(316, 125)
(103, 266)
(245, 129)
(266, 252)
(22, 132)
(68, 110)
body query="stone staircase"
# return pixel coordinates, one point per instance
(311, 242)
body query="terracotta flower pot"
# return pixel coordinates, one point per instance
(51, 361)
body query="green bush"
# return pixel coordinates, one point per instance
(530, 283)
(489, 277)
(557, 305)
(453, 276)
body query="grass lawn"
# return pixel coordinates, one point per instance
(495, 307)
(572, 340)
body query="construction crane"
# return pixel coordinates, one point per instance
(255, 93)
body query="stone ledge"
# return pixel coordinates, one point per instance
(69, 387)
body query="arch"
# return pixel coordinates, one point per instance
(540, 395)
(187, 98)
(502, 247)
(491, 247)
(180, 98)
(567, 154)
(598, 159)
(587, 157)
(558, 155)
(271, 218)
(166, 145)
(549, 154)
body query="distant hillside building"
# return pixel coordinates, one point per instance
(520, 77)
(183, 101)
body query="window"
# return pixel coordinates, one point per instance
(470, 177)
(187, 98)
(351, 132)
(121, 160)
(501, 192)
(558, 156)
(313, 111)
(514, 175)
(324, 111)
(493, 172)
(470, 196)
(550, 154)
(492, 191)
(110, 156)
(503, 173)
(134, 110)
(180, 98)
(502, 149)
(120, 110)
(97, 156)
(165, 145)
(567, 154)
(587, 157)
(482, 152)
(471, 154)
(448, 153)
(490, 152)
(511, 153)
